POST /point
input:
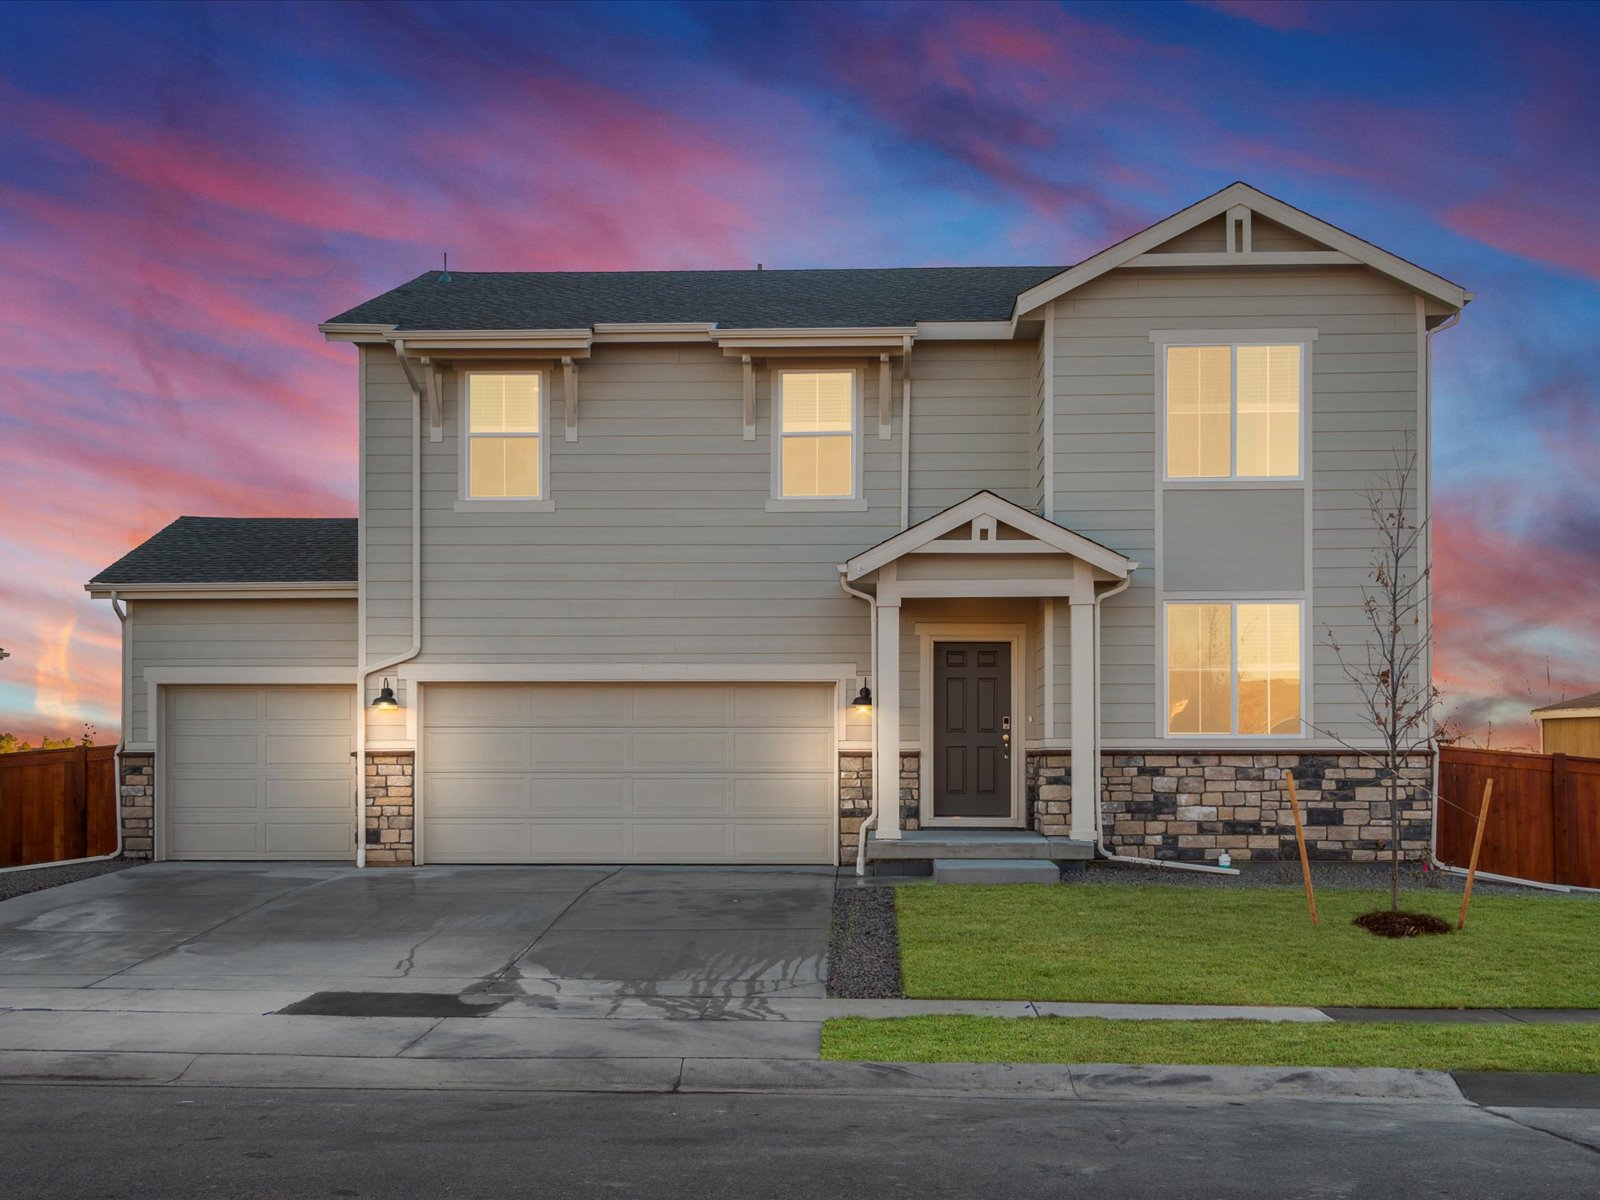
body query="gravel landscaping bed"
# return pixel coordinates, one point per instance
(1368, 876)
(864, 945)
(20, 883)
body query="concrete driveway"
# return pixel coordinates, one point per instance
(204, 958)
(525, 931)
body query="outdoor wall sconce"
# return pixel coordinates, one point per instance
(862, 704)
(385, 701)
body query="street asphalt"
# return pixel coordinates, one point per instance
(174, 1143)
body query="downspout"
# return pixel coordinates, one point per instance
(871, 821)
(905, 448)
(364, 672)
(121, 610)
(1099, 815)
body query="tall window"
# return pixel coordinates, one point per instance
(503, 436)
(1233, 411)
(1233, 668)
(816, 434)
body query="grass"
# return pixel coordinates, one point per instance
(1551, 1048)
(1184, 945)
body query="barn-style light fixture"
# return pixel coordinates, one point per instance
(385, 701)
(862, 704)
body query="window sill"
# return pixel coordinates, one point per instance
(796, 504)
(1251, 483)
(505, 506)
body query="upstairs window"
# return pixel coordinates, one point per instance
(1234, 411)
(1234, 668)
(816, 435)
(504, 436)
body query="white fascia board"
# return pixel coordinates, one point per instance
(549, 342)
(224, 591)
(577, 672)
(988, 504)
(777, 341)
(655, 331)
(1563, 714)
(337, 331)
(1273, 209)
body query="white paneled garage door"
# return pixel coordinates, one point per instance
(618, 773)
(262, 772)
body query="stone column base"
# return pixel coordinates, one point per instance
(390, 831)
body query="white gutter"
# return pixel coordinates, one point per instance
(364, 672)
(871, 820)
(116, 757)
(1099, 816)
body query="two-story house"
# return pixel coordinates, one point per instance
(676, 566)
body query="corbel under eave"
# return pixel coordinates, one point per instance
(885, 382)
(425, 388)
(569, 388)
(749, 398)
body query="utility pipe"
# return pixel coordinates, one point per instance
(364, 672)
(121, 610)
(871, 819)
(1099, 816)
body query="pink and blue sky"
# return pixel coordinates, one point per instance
(185, 190)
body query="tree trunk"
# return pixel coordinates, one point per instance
(1394, 842)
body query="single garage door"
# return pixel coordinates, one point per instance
(263, 772)
(621, 773)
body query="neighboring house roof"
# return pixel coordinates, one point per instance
(235, 550)
(1577, 706)
(822, 299)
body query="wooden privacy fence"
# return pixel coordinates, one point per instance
(1544, 823)
(57, 804)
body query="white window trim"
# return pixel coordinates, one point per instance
(1233, 601)
(856, 501)
(465, 501)
(1163, 339)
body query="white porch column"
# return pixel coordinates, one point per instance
(886, 702)
(1085, 729)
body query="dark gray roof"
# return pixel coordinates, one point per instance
(897, 296)
(1592, 700)
(241, 550)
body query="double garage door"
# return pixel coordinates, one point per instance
(624, 773)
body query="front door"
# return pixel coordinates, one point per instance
(972, 731)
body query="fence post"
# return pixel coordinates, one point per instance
(1561, 870)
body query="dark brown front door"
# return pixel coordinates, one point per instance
(972, 730)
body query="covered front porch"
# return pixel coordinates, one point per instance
(984, 650)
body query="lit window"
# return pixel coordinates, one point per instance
(1233, 412)
(503, 436)
(1233, 668)
(816, 434)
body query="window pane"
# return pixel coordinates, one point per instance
(1198, 411)
(817, 401)
(817, 466)
(1269, 668)
(1269, 410)
(500, 468)
(1199, 668)
(503, 403)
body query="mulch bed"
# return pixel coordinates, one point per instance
(1401, 924)
(864, 945)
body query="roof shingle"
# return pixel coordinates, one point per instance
(241, 550)
(820, 299)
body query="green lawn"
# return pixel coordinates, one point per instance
(1573, 1048)
(1173, 944)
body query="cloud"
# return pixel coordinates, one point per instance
(1284, 15)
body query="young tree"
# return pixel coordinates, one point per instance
(1389, 672)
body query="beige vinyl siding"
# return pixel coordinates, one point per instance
(387, 413)
(1269, 235)
(236, 634)
(1209, 237)
(1363, 402)
(974, 424)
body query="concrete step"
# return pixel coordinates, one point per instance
(995, 870)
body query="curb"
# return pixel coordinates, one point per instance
(1085, 1082)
